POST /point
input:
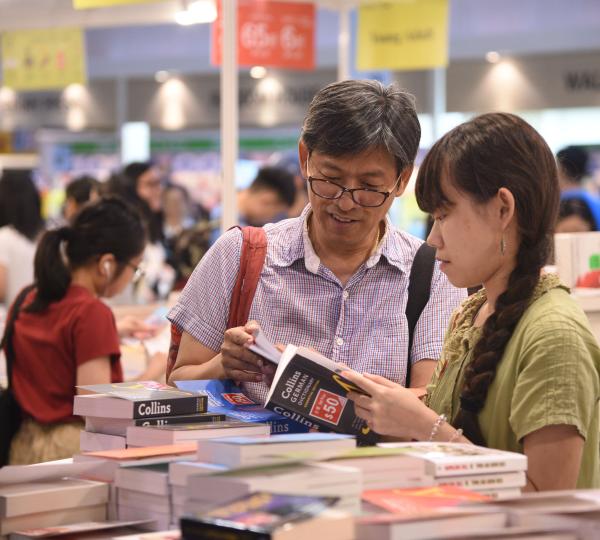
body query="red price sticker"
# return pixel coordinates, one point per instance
(328, 406)
(238, 399)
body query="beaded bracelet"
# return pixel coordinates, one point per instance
(457, 435)
(436, 426)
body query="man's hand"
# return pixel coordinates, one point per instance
(240, 363)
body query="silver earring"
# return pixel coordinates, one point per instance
(502, 246)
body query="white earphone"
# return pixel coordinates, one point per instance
(107, 270)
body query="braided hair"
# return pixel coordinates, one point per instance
(479, 157)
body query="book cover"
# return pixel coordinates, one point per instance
(308, 388)
(456, 459)
(577, 258)
(227, 398)
(421, 501)
(257, 515)
(145, 452)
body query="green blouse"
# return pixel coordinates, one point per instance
(549, 374)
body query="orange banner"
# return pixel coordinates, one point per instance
(271, 34)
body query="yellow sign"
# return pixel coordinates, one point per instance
(91, 4)
(402, 35)
(43, 59)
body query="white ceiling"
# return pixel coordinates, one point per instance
(137, 40)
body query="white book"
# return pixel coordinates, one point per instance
(479, 482)
(148, 501)
(160, 520)
(501, 494)
(457, 459)
(175, 434)
(90, 442)
(242, 451)
(28, 498)
(62, 516)
(302, 479)
(152, 478)
(180, 471)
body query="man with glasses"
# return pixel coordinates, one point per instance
(335, 278)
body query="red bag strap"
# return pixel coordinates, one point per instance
(252, 260)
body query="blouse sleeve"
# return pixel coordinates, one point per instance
(95, 333)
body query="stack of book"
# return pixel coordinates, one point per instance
(50, 502)
(113, 408)
(495, 473)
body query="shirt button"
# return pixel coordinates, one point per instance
(339, 341)
(346, 294)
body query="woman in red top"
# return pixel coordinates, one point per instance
(65, 335)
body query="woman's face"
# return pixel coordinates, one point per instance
(573, 223)
(149, 189)
(467, 238)
(342, 222)
(117, 284)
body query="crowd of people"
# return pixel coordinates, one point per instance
(512, 366)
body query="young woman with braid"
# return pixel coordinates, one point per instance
(520, 367)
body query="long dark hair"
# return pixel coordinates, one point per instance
(479, 157)
(20, 204)
(107, 226)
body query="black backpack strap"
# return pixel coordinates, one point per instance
(419, 288)
(9, 329)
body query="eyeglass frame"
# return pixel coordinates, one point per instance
(138, 271)
(343, 189)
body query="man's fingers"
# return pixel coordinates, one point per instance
(243, 376)
(379, 380)
(232, 364)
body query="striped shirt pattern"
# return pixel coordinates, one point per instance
(300, 301)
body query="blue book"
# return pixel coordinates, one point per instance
(226, 398)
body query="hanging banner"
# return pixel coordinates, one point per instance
(403, 35)
(271, 34)
(91, 4)
(43, 59)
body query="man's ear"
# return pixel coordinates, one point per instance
(506, 206)
(404, 178)
(303, 157)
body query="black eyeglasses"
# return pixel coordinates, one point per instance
(371, 198)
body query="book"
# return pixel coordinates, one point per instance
(245, 451)
(227, 398)
(175, 434)
(421, 500)
(118, 426)
(479, 482)
(268, 516)
(181, 471)
(90, 442)
(458, 459)
(577, 258)
(62, 516)
(20, 499)
(308, 388)
(427, 526)
(73, 530)
(140, 399)
(153, 478)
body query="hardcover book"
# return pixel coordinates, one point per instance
(267, 516)
(226, 398)
(139, 399)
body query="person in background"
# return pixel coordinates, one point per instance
(140, 184)
(289, 161)
(80, 191)
(20, 225)
(579, 208)
(177, 211)
(520, 368)
(65, 335)
(267, 200)
(335, 278)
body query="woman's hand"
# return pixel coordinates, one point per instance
(389, 409)
(240, 363)
(130, 326)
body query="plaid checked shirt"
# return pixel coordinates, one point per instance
(300, 301)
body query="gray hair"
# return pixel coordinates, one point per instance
(350, 117)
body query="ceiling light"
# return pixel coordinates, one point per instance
(198, 12)
(493, 57)
(161, 76)
(258, 72)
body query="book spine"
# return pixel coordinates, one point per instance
(191, 529)
(154, 408)
(188, 419)
(491, 466)
(284, 425)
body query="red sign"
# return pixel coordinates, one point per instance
(328, 406)
(271, 34)
(238, 399)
